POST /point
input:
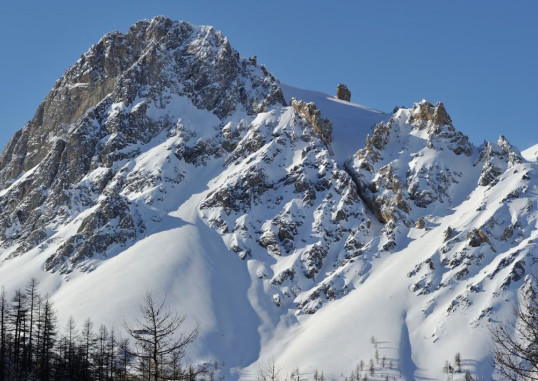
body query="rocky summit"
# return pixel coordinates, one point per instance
(163, 160)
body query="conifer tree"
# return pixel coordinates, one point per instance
(296, 375)
(111, 353)
(124, 358)
(101, 360)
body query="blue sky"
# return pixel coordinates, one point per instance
(478, 57)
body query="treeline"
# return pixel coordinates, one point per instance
(33, 347)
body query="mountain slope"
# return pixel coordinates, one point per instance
(294, 231)
(531, 153)
(351, 122)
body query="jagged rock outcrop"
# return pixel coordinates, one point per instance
(424, 112)
(309, 111)
(343, 93)
(417, 164)
(386, 185)
(497, 158)
(439, 127)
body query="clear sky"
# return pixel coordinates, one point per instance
(478, 57)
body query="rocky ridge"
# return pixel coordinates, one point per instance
(169, 112)
(122, 95)
(71, 155)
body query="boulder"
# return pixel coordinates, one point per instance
(343, 93)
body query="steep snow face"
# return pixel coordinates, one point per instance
(163, 161)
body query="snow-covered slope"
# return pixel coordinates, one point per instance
(531, 153)
(164, 161)
(351, 122)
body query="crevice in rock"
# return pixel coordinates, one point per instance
(363, 195)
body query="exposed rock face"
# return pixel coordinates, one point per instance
(439, 127)
(497, 158)
(154, 60)
(343, 93)
(425, 112)
(476, 237)
(129, 126)
(111, 224)
(322, 126)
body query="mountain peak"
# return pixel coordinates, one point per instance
(424, 112)
(125, 91)
(156, 60)
(163, 160)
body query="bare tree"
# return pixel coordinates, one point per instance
(271, 372)
(296, 375)
(33, 296)
(47, 337)
(124, 359)
(19, 323)
(4, 312)
(87, 344)
(457, 362)
(158, 338)
(69, 340)
(516, 343)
